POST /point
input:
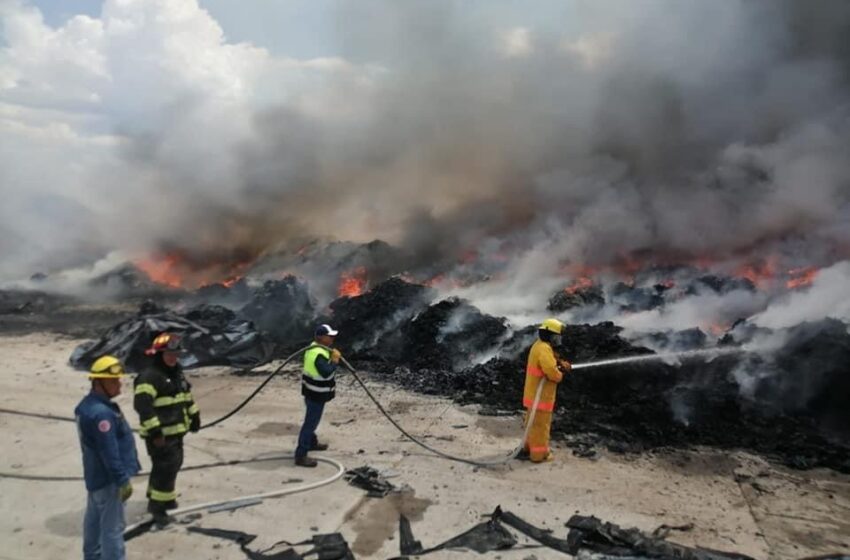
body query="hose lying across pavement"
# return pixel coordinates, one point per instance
(143, 526)
(475, 462)
(266, 381)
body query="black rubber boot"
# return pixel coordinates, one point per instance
(157, 510)
(319, 447)
(306, 461)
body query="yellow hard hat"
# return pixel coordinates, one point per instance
(552, 325)
(106, 367)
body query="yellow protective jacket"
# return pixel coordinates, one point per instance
(542, 364)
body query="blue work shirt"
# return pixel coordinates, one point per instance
(109, 450)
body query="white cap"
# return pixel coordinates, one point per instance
(326, 330)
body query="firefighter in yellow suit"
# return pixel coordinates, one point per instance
(543, 367)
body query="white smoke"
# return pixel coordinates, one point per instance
(828, 296)
(619, 134)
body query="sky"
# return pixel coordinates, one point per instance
(307, 28)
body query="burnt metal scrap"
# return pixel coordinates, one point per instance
(213, 336)
(590, 533)
(487, 536)
(371, 480)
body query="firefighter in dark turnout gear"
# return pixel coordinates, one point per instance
(318, 385)
(167, 410)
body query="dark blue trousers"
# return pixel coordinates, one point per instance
(307, 437)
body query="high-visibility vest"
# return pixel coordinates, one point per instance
(313, 384)
(541, 365)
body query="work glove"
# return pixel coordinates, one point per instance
(335, 356)
(195, 423)
(565, 365)
(125, 492)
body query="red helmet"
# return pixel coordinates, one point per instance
(165, 342)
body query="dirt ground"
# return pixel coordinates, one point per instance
(736, 502)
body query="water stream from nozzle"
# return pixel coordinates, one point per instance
(710, 352)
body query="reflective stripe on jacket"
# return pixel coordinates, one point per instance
(316, 384)
(164, 402)
(541, 364)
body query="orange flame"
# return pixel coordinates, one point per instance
(583, 283)
(352, 283)
(717, 329)
(801, 277)
(176, 271)
(162, 270)
(759, 273)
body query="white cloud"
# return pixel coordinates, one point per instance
(127, 120)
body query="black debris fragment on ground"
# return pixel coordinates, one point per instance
(330, 546)
(590, 533)
(487, 536)
(369, 479)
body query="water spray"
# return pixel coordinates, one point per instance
(712, 352)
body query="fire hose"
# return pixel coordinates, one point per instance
(475, 462)
(143, 526)
(249, 398)
(386, 414)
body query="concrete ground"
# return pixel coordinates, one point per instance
(736, 502)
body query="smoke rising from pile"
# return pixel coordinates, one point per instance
(657, 128)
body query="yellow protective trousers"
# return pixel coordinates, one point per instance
(537, 443)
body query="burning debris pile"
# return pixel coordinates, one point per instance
(644, 292)
(450, 335)
(629, 406)
(784, 399)
(370, 325)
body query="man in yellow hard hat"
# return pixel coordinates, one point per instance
(109, 461)
(543, 367)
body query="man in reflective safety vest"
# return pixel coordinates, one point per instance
(318, 386)
(109, 460)
(543, 367)
(167, 410)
